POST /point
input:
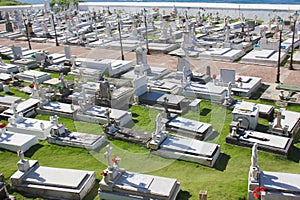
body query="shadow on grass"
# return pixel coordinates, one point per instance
(262, 128)
(30, 152)
(183, 195)
(222, 162)
(260, 91)
(9, 93)
(213, 136)
(205, 111)
(294, 154)
(135, 115)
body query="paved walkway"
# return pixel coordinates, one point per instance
(268, 74)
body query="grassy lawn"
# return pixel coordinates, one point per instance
(10, 3)
(228, 180)
(15, 92)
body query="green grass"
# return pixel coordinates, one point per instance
(76, 126)
(16, 92)
(228, 180)
(10, 3)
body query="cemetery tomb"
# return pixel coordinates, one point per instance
(7, 100)
(271, 185)
(29, 75)
(189, 128)
(64, 137)
(247, 87)
(31, 64)
(59, 109)
(191, 150)
(175, 102)
(15, 141)
(288, 120)
(8, 68)
(248, 113)
(19, 124)
(120, 184)
(26, 107)
(266, 142)
(209, 91)
(38, 181)
(263, 57)
(96, 115)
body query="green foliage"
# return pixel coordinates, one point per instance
(10, 3)
(16, 92)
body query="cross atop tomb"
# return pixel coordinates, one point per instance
(107, 155)
(279, 117)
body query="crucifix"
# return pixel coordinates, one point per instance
(279, 117)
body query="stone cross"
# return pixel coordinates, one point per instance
(165, 105)
(229, 89)
(254, 158)
(227, 31)
(62, 80)
(107, 155)
(279, 117)
(107, 114)
(14, 109)
(158, 122)
(35, 82)
(208, 71)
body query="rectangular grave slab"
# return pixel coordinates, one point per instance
(189, 128)
(80, 140)
(53, 183)
(189, 150)
(266, 142)
(15, 141)
(130, 185)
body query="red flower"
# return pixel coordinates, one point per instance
(104, 173)
(31, 85)
(257, 192)
(114, 159)
(214, 76)
(2, 125)
(239, 79)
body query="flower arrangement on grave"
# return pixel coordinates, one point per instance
(257, 192)
(31, 85)
(239, 80)
(214, 76)
(2, 125)
(155, 9)
(104, 172)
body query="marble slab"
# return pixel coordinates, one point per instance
(58, 177)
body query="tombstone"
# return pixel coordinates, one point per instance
(1, 17)
(254, 169)
(108, 156)
(142, 66)
(17, 52)
(8, 24)
(68, 52)
(104, 90)
(227, 75)
(208, 71)
(6, 88)
(227, 32)
(166, 113)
